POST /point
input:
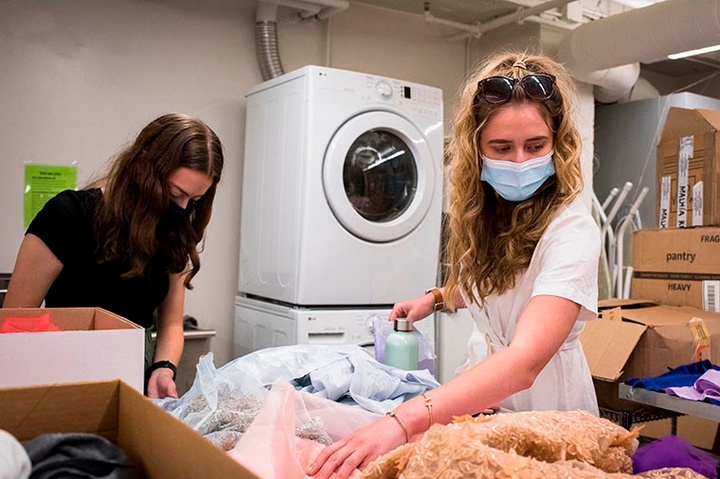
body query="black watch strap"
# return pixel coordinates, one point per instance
(162, 364)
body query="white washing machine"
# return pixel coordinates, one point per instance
(342, 189)
(263, 324)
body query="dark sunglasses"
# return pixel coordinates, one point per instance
(499, 89)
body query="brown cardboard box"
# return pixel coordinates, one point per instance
(162, 446)
(637, 338)
(93, 345)
(642, 340)
(688, 169)
(678, 266)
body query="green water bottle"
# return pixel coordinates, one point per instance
(401, 346)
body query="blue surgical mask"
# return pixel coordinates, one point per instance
(517, 181)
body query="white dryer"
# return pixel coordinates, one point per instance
(342, 189)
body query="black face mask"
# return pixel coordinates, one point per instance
(174, 215)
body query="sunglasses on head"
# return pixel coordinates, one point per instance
(499, 89)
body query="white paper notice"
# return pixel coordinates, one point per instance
(697, 204)
(686, 152)
(665, 182)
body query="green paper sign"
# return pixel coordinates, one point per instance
(42, 182)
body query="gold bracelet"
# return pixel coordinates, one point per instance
(428, 405)
(402, 424)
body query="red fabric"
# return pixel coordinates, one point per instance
(36, 324)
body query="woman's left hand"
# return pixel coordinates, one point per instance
(161, 385)
(357, 450)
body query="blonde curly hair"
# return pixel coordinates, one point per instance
(490, 241)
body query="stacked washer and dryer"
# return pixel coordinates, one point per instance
(341, 206)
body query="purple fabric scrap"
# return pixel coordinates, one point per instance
(673, 451)
(706, 387)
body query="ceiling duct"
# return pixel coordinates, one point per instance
(644, 35)
(477, 29)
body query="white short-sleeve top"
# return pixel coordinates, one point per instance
(564, 264)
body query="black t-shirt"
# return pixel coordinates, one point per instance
(65, 225)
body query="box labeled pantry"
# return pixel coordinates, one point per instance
(92, 345)
(688, 169)
(677, 266)
(157, 443)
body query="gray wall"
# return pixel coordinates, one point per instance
(626, 138)
(79, 78)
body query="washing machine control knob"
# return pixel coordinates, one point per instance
(385, 89)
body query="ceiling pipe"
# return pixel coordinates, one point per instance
(313, 9)
(644, 35)
(266, 39)
(612, 84)
(478, 29)
(331, 8)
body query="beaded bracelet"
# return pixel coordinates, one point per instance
(428, 405)
(402, 424)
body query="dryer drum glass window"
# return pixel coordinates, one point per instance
(380, 176)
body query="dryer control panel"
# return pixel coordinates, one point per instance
(418, 99)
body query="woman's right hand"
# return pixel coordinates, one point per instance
(414, 309)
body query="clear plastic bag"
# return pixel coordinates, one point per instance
(223, 403)
(275, 446)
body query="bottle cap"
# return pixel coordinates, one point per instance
(402, 325)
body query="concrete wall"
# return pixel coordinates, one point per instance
(79, 78)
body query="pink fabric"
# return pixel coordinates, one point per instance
(270, 448)
(36, 324)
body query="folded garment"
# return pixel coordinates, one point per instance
(681, 376)
(63, 455)
(706, 387)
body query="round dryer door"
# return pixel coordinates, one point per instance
(378, 176)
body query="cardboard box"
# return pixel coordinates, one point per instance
(636, 339)
(677, 267)
(93, 345)
(162, 446)
(688, 169)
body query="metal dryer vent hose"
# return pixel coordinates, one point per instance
(266, 41)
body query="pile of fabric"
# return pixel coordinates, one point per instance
(524, 445)
(273, 410)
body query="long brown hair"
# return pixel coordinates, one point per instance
(490, 240)
(136, 193)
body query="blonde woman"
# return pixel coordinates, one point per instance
(522, 257)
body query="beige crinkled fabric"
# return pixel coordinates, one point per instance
(523, 445)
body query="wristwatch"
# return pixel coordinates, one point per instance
(162, 364)
(439, 300)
